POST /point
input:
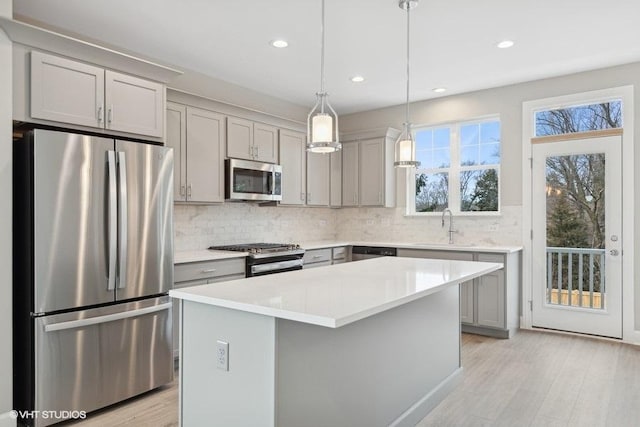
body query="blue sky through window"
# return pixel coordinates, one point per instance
(433, 148)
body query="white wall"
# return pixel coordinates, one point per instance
(6, 367)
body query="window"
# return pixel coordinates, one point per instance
(459, 168)
(579, 118)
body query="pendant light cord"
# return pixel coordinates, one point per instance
(408, 68)
(322, 50)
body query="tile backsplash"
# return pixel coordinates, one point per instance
(198, 227)
(392, 225)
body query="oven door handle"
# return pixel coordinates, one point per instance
(273, 266)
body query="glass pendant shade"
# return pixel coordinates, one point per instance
(405, 149)
(322, 127)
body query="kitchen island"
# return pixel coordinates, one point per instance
(376, 342)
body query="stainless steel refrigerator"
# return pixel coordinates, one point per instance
(93, 262)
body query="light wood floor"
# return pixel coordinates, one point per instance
(533, 379)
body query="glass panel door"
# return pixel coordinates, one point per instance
(577, 236)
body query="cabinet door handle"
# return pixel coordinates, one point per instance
(183, 190)
(110, 114)
(188, 191)
(100, 114)
(302, 196)
(257, 152)
(209, 270)
(251, 151)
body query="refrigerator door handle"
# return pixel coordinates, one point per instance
(112, 216)
(72, 324)
(122, 219)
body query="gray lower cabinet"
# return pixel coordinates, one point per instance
(317, 258)
(488, 304)
(340, 254)
(202, 273)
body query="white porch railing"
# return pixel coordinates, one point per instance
(575, 277)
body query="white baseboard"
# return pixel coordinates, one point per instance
(422, 407)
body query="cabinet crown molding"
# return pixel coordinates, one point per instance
(386, 132)
(60, 44)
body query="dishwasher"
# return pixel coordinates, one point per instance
(365, 252)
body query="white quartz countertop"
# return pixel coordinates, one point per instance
(340, 294)
(182, 257)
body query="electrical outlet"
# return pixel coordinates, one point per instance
(222, 355)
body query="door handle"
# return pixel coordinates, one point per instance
(112, 217)
(183, 190)
(614, 252)
(100, 114)
(122, 218)
(110, 114)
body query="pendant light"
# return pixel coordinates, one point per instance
(322, 122)
(405, 150)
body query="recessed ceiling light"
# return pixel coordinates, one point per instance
(505, 44)
(439, 89)
(357, 79)
(279, 43)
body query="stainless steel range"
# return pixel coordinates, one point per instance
(268, 258)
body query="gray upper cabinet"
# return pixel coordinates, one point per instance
(133, 105)
(335, 179)
(265, 143)
(251, 141)
(197, 137)
(177, 139)
(239, 138)
(293, 162)
(372, 172)
(73, 92)
(66, 91)
(350, 174)
(318, 179)
(368, 176)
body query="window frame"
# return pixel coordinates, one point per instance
(454, 170)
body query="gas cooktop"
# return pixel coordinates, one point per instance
(259, 248)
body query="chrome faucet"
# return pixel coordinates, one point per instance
(451, 230)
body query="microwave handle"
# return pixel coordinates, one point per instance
(272, 183)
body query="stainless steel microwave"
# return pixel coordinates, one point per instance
(247, 180)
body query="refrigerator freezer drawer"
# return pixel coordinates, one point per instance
(89, 359)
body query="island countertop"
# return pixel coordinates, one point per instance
(340, 294)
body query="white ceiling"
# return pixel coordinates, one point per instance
(453, 41)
